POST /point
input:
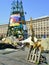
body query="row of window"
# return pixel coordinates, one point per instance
(40, 36)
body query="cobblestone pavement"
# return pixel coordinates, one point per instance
(16, 57)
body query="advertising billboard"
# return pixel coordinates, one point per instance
(15, 19)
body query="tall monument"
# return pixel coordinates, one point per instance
(17, 24)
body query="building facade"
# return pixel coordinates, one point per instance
(3, 30)
(40, 26)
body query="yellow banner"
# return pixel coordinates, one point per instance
(14, 24)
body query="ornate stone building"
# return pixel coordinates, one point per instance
(40, 26)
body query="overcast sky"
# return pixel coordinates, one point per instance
(34, 9)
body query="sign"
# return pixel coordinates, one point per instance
(15, 18)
